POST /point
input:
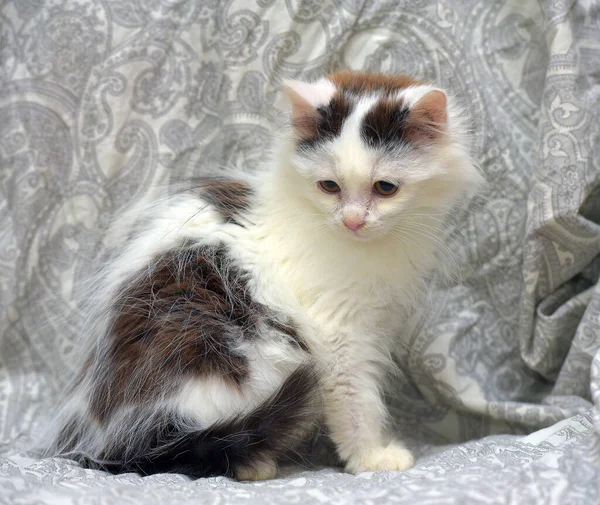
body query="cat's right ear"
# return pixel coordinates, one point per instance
(306, 98)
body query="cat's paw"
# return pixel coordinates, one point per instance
(393, 457)
(257, 470)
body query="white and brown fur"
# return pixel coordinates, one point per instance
(239, 313)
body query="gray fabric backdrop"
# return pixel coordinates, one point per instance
(99, 100)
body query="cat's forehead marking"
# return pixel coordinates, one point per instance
(349, 149)
(383, 124)
(329, 120)
(409, 118)
(334, 114)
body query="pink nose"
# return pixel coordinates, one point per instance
(354, 223)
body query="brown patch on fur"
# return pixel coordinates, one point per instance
(183, 317)
(364, 82)
(230, 197)
(180, 319)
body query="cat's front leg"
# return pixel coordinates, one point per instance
(356, 415)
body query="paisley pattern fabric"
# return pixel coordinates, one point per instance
(102, 100)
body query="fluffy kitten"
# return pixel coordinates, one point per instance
(240, 313)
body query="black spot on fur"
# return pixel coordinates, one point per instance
(230, 197)
(270, 431)
(330, 121)
(385, 126)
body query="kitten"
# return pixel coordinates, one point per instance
(240, 313)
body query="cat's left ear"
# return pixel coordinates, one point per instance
(306, 98)
(428, 117)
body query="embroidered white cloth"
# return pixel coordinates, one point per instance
(501, 388)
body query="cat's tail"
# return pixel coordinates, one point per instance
(245, 447)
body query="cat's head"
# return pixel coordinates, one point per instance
(372, 150)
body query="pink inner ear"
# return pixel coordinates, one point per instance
(428, 117)
(304, 114)
(306, 98)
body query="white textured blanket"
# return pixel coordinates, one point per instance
(99, 100)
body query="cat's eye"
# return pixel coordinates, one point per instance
(329, 186)
(385, 188)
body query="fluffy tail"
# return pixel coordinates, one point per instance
(268, 432)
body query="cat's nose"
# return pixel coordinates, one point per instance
(354, 223)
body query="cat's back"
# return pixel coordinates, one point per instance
(180, 345)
